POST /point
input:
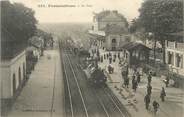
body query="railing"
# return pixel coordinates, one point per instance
(180, 46)
(175, 45)
(171, 44)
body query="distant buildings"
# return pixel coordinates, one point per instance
(175, 54)
(109, 30)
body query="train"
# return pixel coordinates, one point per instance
(95, 76)
(81, 52)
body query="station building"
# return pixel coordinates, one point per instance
(13, 68)
(109, 30)
(175, 54)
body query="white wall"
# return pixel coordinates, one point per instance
(5, 82)
(173, 68)
(8, 68)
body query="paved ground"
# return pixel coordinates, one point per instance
(173, 106)
(42, 96)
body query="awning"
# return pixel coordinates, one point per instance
(134, 46)
(98, 37)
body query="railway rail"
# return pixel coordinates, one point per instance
(109, 103)
(71, 78)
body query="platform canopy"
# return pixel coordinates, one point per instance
(134, 46)
(95, 36)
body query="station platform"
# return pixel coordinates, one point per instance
(42, 96)
(134, 101)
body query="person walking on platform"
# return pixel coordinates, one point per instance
(149, 78)
(163, 94)
(110, 59)
(110, 54)
(118, 55)
(149, 88)
(133, 80)
(126, 80)
(138, 77)
(104, 56)
(155, 106)
(167, 81)
(147, 101)
(134, 71)
(135, 84)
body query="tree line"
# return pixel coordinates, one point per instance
(18, 25)
(17, 21)
(158, 19)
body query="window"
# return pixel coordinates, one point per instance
(113, 40)
(179, 60)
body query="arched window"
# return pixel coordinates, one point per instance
(113, 40)
(19, 76)
(14, 84)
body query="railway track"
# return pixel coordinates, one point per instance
(108, 103)
(105, 92)
(76, 108)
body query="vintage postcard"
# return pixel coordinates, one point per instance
(92, 58)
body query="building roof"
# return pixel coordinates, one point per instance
(101, 15)
(134, 46)
(96, 36)
(115, 29)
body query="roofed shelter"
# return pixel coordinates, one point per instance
(136, 53)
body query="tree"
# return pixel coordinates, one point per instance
(161, 17)
(138, 30)
(17, 21)
(134, 25)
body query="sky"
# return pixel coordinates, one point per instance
(129, 8)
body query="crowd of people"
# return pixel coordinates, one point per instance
(136, 79)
